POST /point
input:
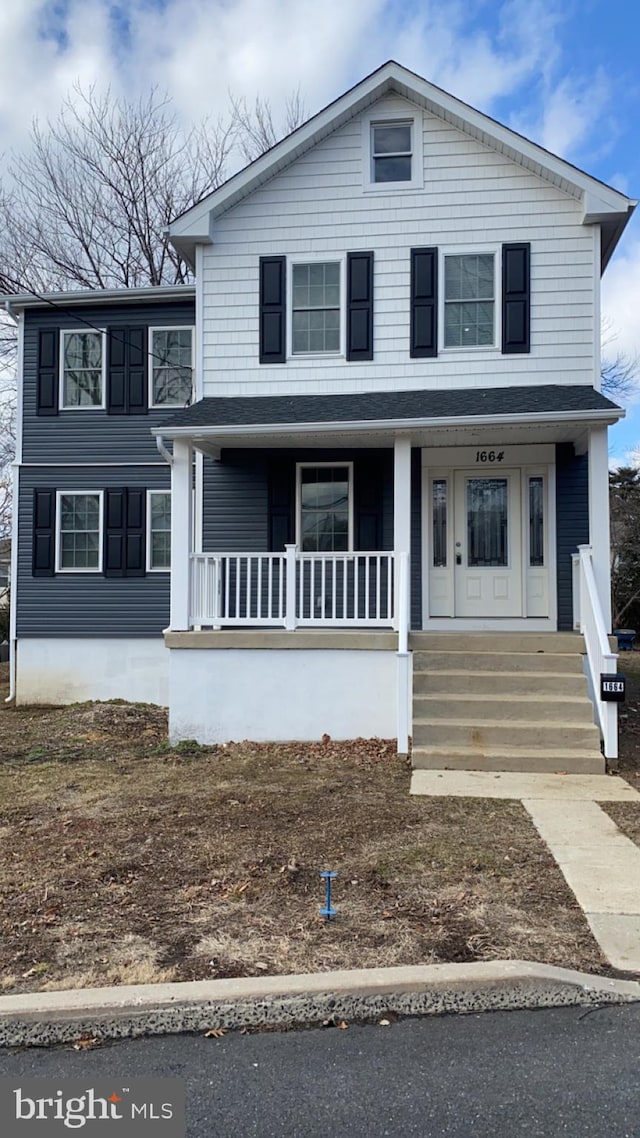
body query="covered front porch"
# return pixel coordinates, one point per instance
(291, 515)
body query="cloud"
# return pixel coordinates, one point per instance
(621, 299)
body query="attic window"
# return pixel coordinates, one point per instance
(391, 152)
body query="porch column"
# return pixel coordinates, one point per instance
(599, 517)
(402, 547)
(181, 531)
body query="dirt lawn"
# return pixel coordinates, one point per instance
(124, 861)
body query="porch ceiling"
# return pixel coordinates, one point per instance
(532, 414)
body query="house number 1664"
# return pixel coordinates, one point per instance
(489, 455)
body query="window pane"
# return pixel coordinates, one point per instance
(324, 512)
(439, 523)
(171, 350)
(469, 277)
(79, 531)
(160, 528)
(392, 139)
(392, 169)
(83, 350)
(536, 522)
(467, 324)
(487, 506)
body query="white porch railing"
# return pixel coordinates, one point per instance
(293, 589)
(601, 660)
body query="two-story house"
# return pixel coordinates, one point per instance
(388, 507)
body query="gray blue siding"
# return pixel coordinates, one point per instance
(572, 522)
(87, 604)
(92, 435)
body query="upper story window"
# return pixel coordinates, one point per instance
(325, 508)
(79, 536)
(469, 300)
(170, 366)
(315, 307)
(391, 152)
(82, 369)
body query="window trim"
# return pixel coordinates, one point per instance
(386, 118)
(300, 466)
(150, 358)
(83, 406)
(317, 259)
(154, 568)
(77, 494)
(481, 250)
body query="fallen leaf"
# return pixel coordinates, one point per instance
(85, 1043)
(384, 1023)
(343, 1025)
(215, 1033)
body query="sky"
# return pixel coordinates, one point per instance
(563, 72)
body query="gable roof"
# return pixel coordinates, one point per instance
(601, 203)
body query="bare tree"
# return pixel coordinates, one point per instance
(7, 454)
(256, 130)
(619, 372)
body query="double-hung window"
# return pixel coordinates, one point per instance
(82, 370)
(391, 152)
(315, 308)
(159, 530)
(79, 538)
(170, 366)
(325, 509)
(469, 300)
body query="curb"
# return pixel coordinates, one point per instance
(42, 1018)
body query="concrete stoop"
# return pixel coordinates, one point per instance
(502, 702)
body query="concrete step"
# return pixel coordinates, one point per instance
(495, 683)
(483, 734)
(525, 759)
(547, 642)
(497, 662)
(531, 708)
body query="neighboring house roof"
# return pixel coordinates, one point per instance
(601, 203)
(391, 407)
(18, 301)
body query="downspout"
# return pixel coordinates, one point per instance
(167, 456)
(15, 490)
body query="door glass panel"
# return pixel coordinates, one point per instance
(536, 522)
(487, 520)
(439, 523)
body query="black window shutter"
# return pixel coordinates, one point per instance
(273, 301)
(516, 298)
(116, 371)
(44, 533)
(137, 345)
(125, 533)
(127, 371)
(359, 306)
(424, 303)
(281, 504)
(48, 379)
(135, 564)
(115, 522)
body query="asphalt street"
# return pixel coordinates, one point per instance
(563, 1072)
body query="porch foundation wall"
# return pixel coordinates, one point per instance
(276, 695)
(61, 670)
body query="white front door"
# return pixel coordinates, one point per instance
(487, 536)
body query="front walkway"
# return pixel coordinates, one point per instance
(600, 865)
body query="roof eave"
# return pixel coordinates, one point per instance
(264, 430)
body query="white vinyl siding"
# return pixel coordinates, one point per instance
(79, 529)
(82, 370)
(472, 198)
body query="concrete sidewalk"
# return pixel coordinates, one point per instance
(600, 865)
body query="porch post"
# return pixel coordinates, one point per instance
(181, 531)
(402, 600)
(599, 517)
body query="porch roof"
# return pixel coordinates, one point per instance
(226, 418)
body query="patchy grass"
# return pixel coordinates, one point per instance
(125, 861)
